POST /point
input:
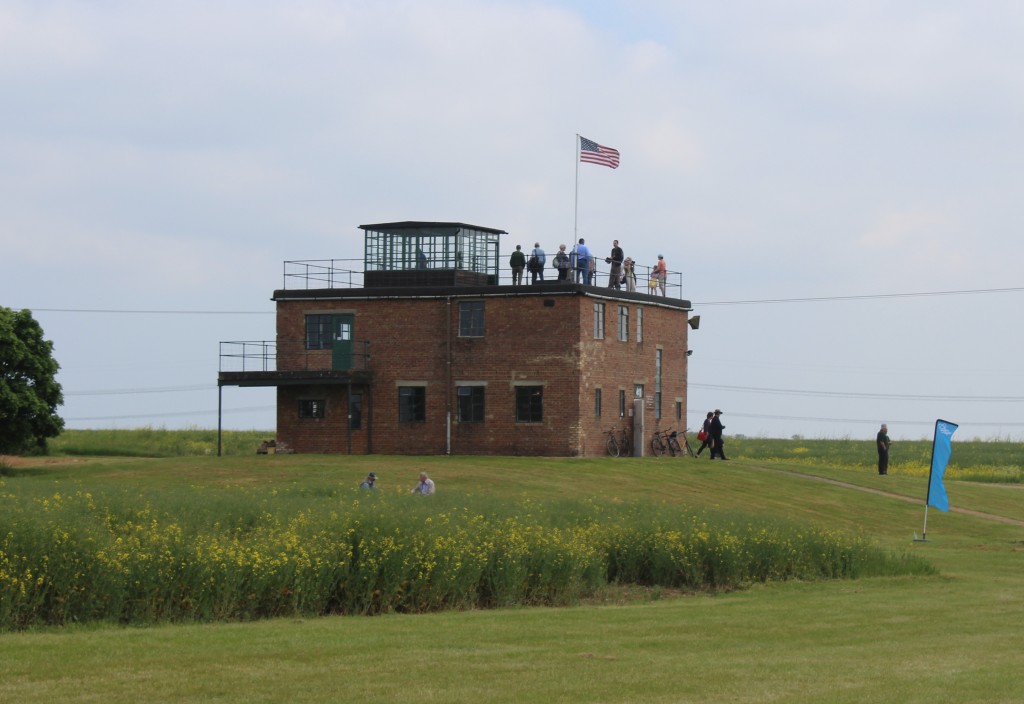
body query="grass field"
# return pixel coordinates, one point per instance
(953, 637)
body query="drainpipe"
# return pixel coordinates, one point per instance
(448, 377)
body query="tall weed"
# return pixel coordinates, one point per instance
(240, 553)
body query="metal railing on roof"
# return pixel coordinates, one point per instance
(348, 273)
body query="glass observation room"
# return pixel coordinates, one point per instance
(430, 254)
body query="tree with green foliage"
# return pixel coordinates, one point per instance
(29, 392)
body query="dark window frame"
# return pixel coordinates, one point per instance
(355, 411)
(319, 331)
(530, 404)
(471, 318)
(312, 408)
(412, 404)
(470, 406)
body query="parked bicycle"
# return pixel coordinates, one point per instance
(618, 443)
(669, 440)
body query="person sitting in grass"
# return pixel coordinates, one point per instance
(425, 487)
(370, 483)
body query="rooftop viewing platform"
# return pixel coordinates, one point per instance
(427, 254)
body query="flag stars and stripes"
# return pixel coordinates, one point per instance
(593, 153)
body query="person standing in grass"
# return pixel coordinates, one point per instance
(882, 441)
(425, 487)
(717, 443)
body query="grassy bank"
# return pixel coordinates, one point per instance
(77, 552)
(953, 636)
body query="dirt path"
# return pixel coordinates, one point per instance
(891, 495)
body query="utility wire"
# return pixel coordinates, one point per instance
(177, 414)
(872, 296)
(808, 299)
(150, 312)
(858, 394)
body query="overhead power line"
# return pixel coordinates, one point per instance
(150, 312)
(157, 390)
(871, 296)
(873, 421)
(177, 414)
(806, 299)
(859, 394)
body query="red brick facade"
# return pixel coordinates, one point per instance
(531, 337)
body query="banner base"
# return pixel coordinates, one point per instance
(922, 539)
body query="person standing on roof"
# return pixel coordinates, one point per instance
(583, 261)
(541, 259)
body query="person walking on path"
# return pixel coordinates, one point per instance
(706, 429)
(882, 440)
(615, 275)
(717, 443)
(518, 262)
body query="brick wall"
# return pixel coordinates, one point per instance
(529, 338)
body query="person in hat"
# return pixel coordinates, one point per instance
(717, 443)
(370, 483)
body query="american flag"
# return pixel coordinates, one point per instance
(593, 153)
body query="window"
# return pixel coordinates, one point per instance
(638, 390)
(412, 404)
(529, 404)
(471, 404)
(679, 411)
(599, 321)
(597, 402)
(318, 332)
(623, 324)
(639, 324)
(311, 408)
(471, 319)
(355, 411)
(622, 403)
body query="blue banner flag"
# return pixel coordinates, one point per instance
(942, 447)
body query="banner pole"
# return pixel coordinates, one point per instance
(928, 494)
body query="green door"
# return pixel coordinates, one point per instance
(341, 345)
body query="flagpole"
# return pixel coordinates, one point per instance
(576, 206)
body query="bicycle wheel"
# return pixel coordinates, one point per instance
(657, 446)
(673, 445)
(686, 445)
(613, 446)
(625, 449)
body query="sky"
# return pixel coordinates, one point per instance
(838, 183)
